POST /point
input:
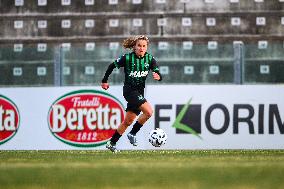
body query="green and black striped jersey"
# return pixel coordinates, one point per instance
(136, 68)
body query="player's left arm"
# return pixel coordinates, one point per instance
(156, 72)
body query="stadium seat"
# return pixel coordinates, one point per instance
(192, 39)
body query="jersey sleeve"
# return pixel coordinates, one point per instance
(120, 62)
(154, 67)
(108, 72)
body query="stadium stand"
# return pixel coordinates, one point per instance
(191, 39)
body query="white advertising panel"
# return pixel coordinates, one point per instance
(219, 117)
(41, 117)
(193, 116)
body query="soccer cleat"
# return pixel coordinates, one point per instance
(111, 147)
(132, 139)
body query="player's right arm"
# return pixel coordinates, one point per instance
(109, 70)
(120, 62)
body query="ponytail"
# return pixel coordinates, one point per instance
(130, 42)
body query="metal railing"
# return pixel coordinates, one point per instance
(179, 64)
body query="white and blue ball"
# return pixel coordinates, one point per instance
(158, 137)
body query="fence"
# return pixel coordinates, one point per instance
(180, 63)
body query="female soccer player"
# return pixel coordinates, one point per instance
(137, 65)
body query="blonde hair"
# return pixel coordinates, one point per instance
(130, 42)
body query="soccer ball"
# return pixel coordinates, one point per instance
(158, 137)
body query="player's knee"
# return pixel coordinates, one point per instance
(128, 122)
(148, 113)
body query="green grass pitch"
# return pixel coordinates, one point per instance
(194, 169)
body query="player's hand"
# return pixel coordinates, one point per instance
(105, 86)
(156, 76)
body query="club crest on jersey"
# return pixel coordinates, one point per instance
(146, 65)
(138, 74)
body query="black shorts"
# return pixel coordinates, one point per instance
(135, 98)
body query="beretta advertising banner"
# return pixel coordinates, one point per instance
(194, 117)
